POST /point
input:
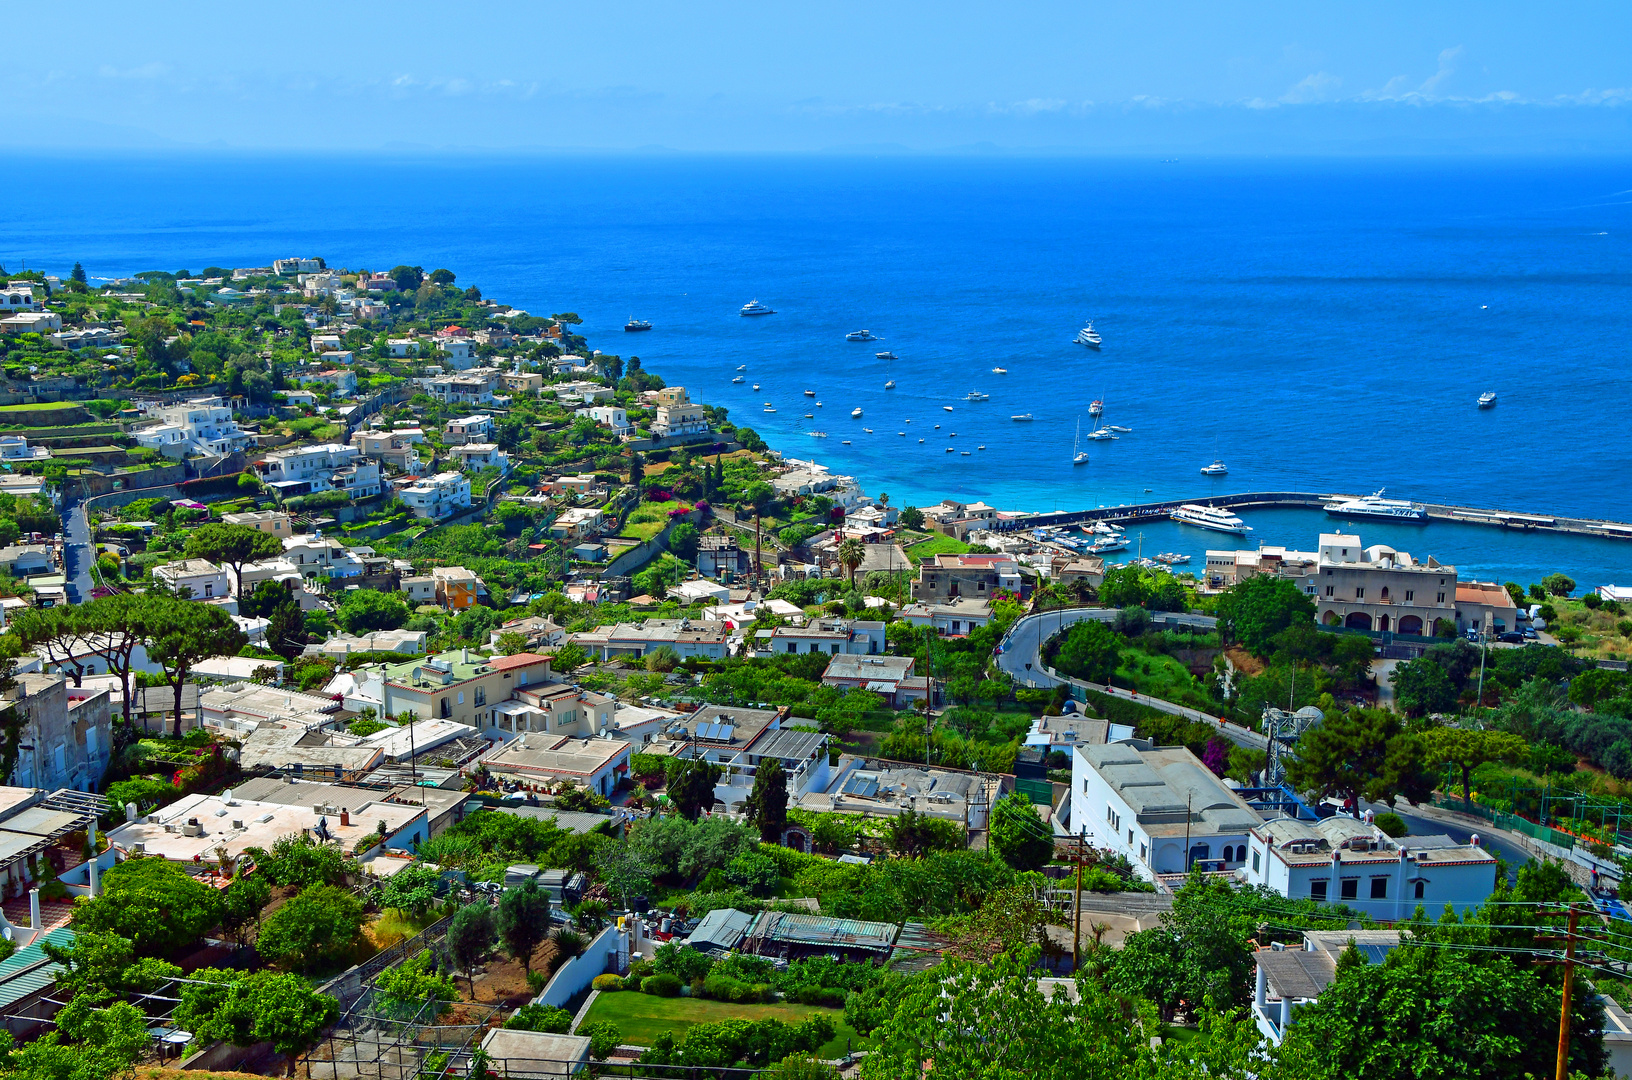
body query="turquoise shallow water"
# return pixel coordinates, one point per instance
(1316, 324)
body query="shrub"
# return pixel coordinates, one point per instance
(1392, 824)
(607, 982)
(663, 984)
(722, 987)
(648, 767)
(545, 1018)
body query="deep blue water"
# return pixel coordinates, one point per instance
(1319, 325)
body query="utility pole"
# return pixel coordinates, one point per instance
(1562, 1069)
(1075, 849)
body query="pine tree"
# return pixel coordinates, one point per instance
(78, 274)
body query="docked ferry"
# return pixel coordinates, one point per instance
(1216, 518)
(1375, 506)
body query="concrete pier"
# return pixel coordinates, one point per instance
(1310, 500)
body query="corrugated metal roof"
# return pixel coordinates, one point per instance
(822, 930)
(724, 927)
(28, 970)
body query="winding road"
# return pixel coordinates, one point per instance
(1019, 654)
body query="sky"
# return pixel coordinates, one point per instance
(1268, 77)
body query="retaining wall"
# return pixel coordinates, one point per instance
(574, 977)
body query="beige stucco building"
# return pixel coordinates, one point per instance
(1379, 588)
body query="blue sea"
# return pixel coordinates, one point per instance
(1317, 324)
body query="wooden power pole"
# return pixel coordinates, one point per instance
(1076, 849)
(1570, 937)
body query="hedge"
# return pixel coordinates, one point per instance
(607, 982)
(663, 985)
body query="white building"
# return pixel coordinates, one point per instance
(956, 616)
(201, 427)
(19, 296)
(323, 467)
(480, 455)
(202, 579)
(1147, 801)
(315, 555)
(16, 448)
(438, 496)
(615, 417)
(1341, 860)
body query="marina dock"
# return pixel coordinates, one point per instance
(1310, 500)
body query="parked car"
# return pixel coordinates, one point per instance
(1512, 637)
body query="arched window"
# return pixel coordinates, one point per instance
(1420, 886)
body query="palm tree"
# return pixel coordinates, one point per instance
(851, 555)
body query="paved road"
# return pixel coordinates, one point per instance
(1019, 656)
(78, 553)
(1490, 838)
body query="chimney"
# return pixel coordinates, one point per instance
(1474, 839)
(345, 816)
(34, 908)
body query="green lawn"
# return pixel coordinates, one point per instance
(1167, 679)
(643, 1017)
(641, 530)
(939, 545)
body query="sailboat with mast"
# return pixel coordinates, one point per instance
(1079, 456)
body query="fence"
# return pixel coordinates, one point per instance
(349, 986)
(1510, 822)
(539, 1068)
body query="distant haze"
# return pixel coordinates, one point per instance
(1045, 77)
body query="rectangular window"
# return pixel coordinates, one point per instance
(1350, 889)
(1331, 590)
(1255, 862)
(1441, 599)
(793, 646)
(1317, 889)
(1130, 837)
(481, 695)
(1379, 888)
(1359, 594)
(1409, 593)
(1108, 815)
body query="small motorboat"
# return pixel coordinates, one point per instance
(860, 335)
(1487, 400)
(868, 430)
(1096, 407)
(1119, 427)
(949, 450)
(810, 393)
(737, 379)
(890, 385)
(742, 367)
(855, 414)
(810, 416)
(756, 386)
(769, 409)
(1022, 417)
(937, 427)
(920, 440)
(901, 433)
(948, 408)
(1000, 371)
(980, 448)
(1215, 469)
(818, 404)
(886, 355)
(965, 453)
(817, 434)
(845, 442)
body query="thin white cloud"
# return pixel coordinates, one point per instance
(1447, 68)
(1318, 86)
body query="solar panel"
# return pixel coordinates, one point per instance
(705, 730)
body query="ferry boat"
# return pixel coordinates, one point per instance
(1096, 407)
(754, 307)
(1375, 506)
(976, 395)
(860, 335)
(1210, 517)
(1487, 400)
(1215, 469)
(886, 355)
(637, 324)
(1088, 336)
(856, 413)
(1022, 417)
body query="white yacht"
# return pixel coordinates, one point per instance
(1088, 336)
(756, 386)
(1487, 400)
(1215, 469)
(1000, 371)
(754, 307)
(1215, 518)
(1118, 542)
(769, 409)
(1375, 506)
(810, 393)
(976, 395)
(1079, 456)
(868, 430)
(890, 385)
(948, 408)
(856, 413)
(860, 335)
(886, 355)
(737, 379)
(1023, 417)
(1101, 434)
(1096, 407)
(1119, 427)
